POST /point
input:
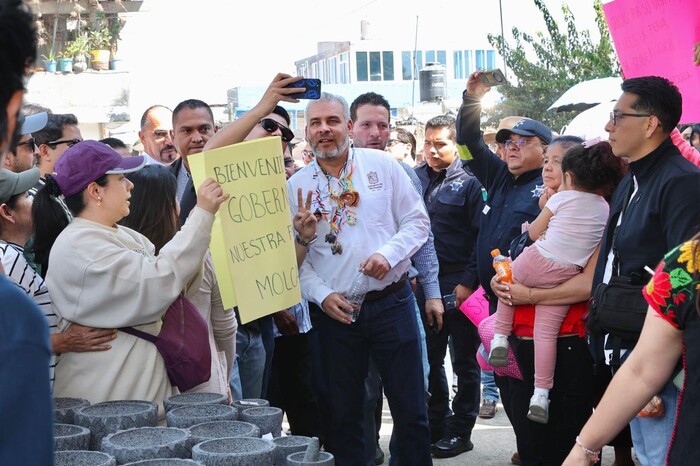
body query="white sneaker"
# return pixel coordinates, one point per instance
(539, 409)
(498, 357)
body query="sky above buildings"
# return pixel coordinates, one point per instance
(176, 50)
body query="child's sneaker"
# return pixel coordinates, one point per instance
(539, 409)
(498, 357)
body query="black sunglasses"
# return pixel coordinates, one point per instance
(270, 125)
(31, 144)
(288, 162)
(70, 142)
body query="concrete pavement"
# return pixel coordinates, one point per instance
(494, 442)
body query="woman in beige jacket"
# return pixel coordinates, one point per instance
(104, 275)
(155, 214)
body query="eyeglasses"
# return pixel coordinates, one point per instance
(270, 125)
(69, 142)
(615, 116)
(393, 142)
(31, 144)
(288, 162)
(160, 133)
(519, 143)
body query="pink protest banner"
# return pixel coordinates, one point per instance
(656, 37)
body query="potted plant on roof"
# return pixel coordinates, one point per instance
(99, 48)
(115, 28)
(50, 62)
(78, 48)
(64, 62)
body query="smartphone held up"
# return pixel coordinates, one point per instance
(492, 78)
(312, 86)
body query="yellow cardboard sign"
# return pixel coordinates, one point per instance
(253, 239)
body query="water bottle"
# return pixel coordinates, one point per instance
(501, 264)
(356, 295)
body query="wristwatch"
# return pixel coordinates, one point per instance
(306, 244)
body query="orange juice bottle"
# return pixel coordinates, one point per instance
(501, 265)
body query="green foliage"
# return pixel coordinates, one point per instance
(50, 57)
(78, 46)
(562, 60)
(100, 38)
(115, 28)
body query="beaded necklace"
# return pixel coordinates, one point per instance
(336, 205)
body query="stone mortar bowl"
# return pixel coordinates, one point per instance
(288, 445)
(111, 416)
(64, 409)
(250, 403)
(165, 462)
(269, 419)
(297, 459)
(83, 458)
(70, 437)
(187, 416)
(242, 451)
(148, 443)
(187, 399)
(223, 429)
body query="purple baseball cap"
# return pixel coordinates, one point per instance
(87, 161)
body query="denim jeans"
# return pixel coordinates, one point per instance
(247, 372)
(373, 386)
(651, 436)
(387, 330)
(489, 390)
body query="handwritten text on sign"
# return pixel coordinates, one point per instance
(656, 38)
(253, 241)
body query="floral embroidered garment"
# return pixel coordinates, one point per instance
(672, 293)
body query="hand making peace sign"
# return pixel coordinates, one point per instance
(305, 220)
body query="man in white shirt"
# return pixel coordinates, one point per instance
(371, 221)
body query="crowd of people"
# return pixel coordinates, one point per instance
(97, 245)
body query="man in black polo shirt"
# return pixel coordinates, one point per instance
(454, 201)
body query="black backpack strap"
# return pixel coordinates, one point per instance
(616, 348)
(139, 333)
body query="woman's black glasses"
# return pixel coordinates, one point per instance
(270, 125)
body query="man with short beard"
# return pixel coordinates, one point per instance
(156, 135)
(371, 221)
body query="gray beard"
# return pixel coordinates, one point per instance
(335, 153)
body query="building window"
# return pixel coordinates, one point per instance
(435, 56)
(406, 66)
(388, 66)
(333, 70)
(468, 62)
(375, 66)
(458, 64)
(344, 67)
(362, 70)
(491, 59)
(314, 70)
(479, 54)
(408, 70)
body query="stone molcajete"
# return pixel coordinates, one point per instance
(111, 416)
